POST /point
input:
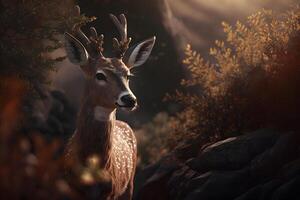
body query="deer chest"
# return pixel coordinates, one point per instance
(124, 155)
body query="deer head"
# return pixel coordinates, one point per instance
(107, 78)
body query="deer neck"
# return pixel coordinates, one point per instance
(94, 131)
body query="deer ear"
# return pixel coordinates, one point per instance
(76, 52)
(138, 54)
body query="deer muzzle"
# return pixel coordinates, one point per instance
(127, 100)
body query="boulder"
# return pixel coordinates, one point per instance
(269, 162)
(155, 187)
(182, 182)
(143, 175)
(222, 185)
(260, 191)
(233, 153)
(253, 193)
(289, 190)
(291, 169)
(261, 165)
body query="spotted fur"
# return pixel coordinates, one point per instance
(98, 132)
(114, 142)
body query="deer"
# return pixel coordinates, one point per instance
(98, 132)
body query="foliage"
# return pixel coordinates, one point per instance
(152, 138)
(32, 167)
(29, 33)
(252, 81)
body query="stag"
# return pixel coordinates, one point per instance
(106, 89)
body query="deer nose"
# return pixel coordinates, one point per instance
(128, 100)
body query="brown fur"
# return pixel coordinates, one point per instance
(114, 142)
(107, 87)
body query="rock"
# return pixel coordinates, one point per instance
(289, 190)
(61, 116)
(191, 148)
(155, 187)
(268, 163)
(285, 148)
(222, 185)
(261, 165)
(260, 191)
(182, 182)
(233, 153)
(253, 193)
(167, 165)
(53, 116)
(200, 180)
(290, 170)
(142, 176)
(178, 177)
(269, 187)
(155, 190)
(54, 125)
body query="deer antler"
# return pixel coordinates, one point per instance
(96, 41)
(121, 46)
(93, 43)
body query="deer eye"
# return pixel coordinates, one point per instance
(100, 76)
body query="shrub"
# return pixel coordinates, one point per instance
(30, 31)
(252, 81)
(32, 167)
(152, 138)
